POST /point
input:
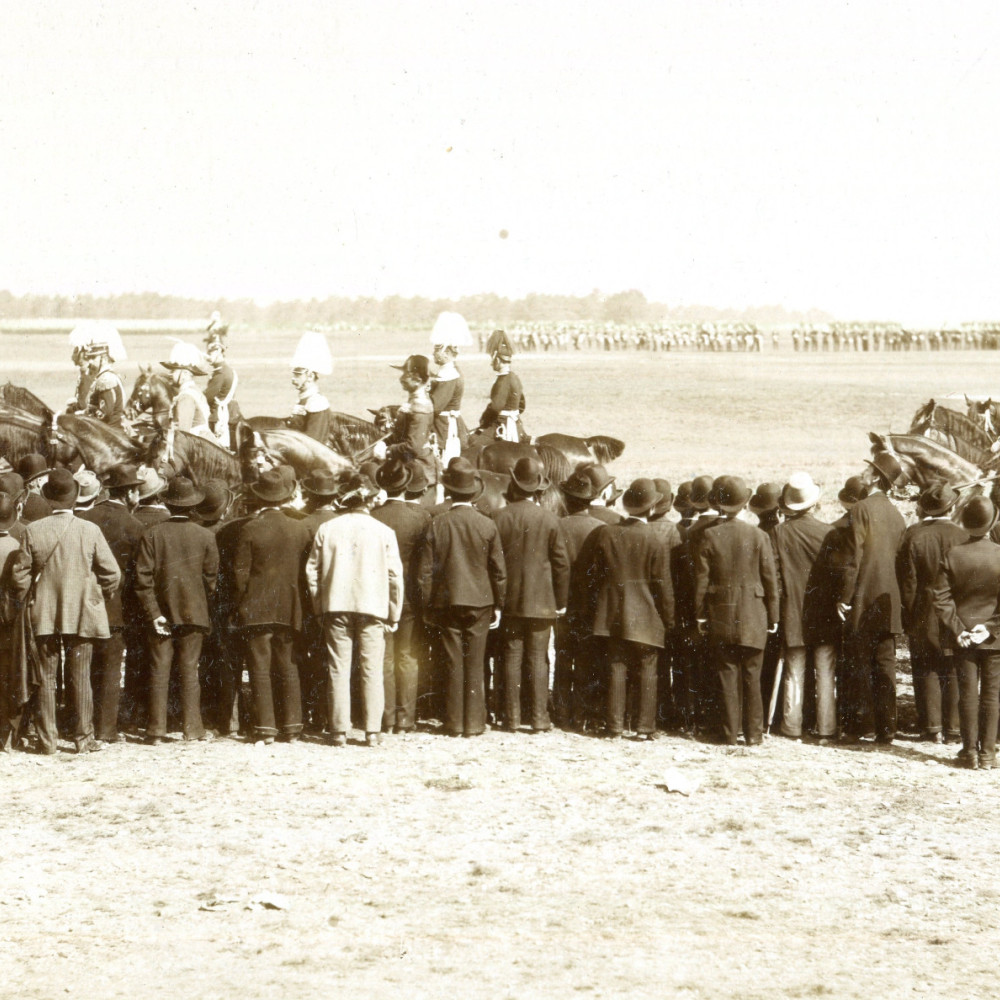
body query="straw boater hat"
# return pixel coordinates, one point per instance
(184, 355)
(313, 354)
(93, 337)
(800, 492)
(451, 330)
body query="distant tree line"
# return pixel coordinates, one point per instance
(394, 311)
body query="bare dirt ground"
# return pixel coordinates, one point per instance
(511, 865)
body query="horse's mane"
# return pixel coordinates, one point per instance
(557, 465)
(301, 451)
(201, 459)
(24, 399)
(22, 433)
(101, 447)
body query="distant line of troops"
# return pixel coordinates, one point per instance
(343, 611)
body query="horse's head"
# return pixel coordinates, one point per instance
(923, 419)
(150, 394)
(384, 418)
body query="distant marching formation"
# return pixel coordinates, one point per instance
(409, 566)
(746, 337)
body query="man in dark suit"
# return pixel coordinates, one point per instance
(921, 552)
(798, 541)
(121, 531)
(634, 607)
(537, 589)
(268, 576)
(870, 604)
(736, 600)
(74, 572)
(150, 509)
(666, 709)
(34, 471)
(605, 494)
(409, 520)
(966, 599)
(461, 583)
(576, 684)
(175, 575)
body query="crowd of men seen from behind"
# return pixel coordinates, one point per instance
(362, 602)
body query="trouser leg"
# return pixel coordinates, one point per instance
(793, 689)
(989, 703)
(370, 636)
(389, 683)
(920, 652)
(617, 669)
(825, 665)
(49, 650)
(751, 700)
(513, 631)
(258, 646)
(562, 680)
(474, 638)
(79, 653)
(967, 669)
(106, 681)
(645, 661)
(407, 668)
(536, 639)
(285, 672)
(161, 651)
(884, 686)
(187, 652)
(338, 635)
(727, 671)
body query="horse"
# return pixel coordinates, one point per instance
(953, 429)
(985, 413)
(348, 434)
(152, 393)
(99, 446)
(598, 450)
(22, 433)
(24, 399)
(283, 446)
(195, 457)
(925, 460)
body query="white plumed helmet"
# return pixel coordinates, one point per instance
(184, 355)
(451, 330)
(313, 354)
(96, 335)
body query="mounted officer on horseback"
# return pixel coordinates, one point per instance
(99, 389)
(502, 417)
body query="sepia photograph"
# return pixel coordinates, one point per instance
(499, 500)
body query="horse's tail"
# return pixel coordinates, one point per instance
(557, 465)
(605, 449)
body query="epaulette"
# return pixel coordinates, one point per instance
(106, 382)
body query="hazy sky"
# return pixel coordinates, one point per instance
(837, 155)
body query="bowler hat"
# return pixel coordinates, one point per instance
(150, 482)
(729, 494)
(122, 476)
(528, 475)
(579, 486)
(461, 478)
(800, 492)
(321, 483)
(393, 476)
(218, 497)
(12, 484)
(415, 364)
(8, 511)
(700, 496)
(287, 473)
(641, 496)
(663, 506)
(600, 479)
(937, 499)
(272, 487)
(90, 486)
(854, 491)
(418, 484)
(979, 515)
(766, 498)
(32, 466)
(61, 488)
(182, 493)
(887, 466)
(682, 502)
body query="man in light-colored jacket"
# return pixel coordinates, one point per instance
(74, 572)
(355, 578)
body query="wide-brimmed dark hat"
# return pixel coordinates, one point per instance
(887, 466)
(12, 484)
(182, 493)
(700, 495)
(730, 494)
(663, 505)
(641, 496)
(766, 498)
(461, 478)
(321, 483)
(579, 486)
(854, 491)
(528, 475)
(600, 478)
(122, 476)
(393, 476)
(272, 487)
(415, 364)
(32, 466)
(937, 499)
(218, 497)
(979, 515)
(61, 488)
(8, 511)
(419, 483)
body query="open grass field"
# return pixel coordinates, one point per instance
(518, 866)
